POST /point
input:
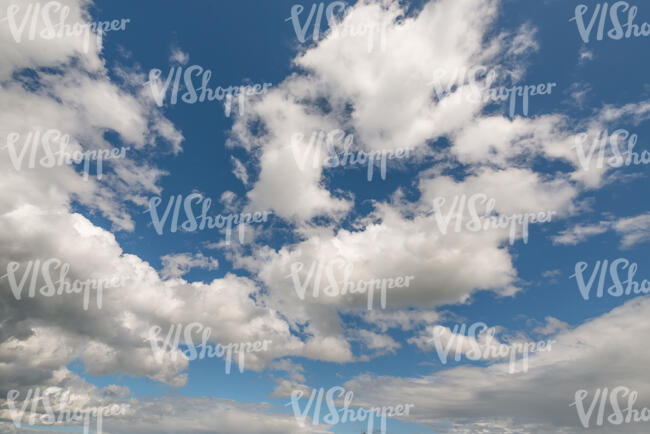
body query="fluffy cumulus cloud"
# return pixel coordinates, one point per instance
(346, 74)
(78, 105)
(130, 415)
(378, 91)
(181, 263)
(399, 237)
(40, 335)
(402, 237)
(601, 353)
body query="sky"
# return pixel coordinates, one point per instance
(481, 115)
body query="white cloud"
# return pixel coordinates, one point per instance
(602, 352)
(551, 326)
(179, 56)
(177, 265)
(39, 52)
(382, 97)
(581, 232)
(170, 414)
(381, 343)
(634, 230)
(239, 170)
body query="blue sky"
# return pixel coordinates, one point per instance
(381, 229)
